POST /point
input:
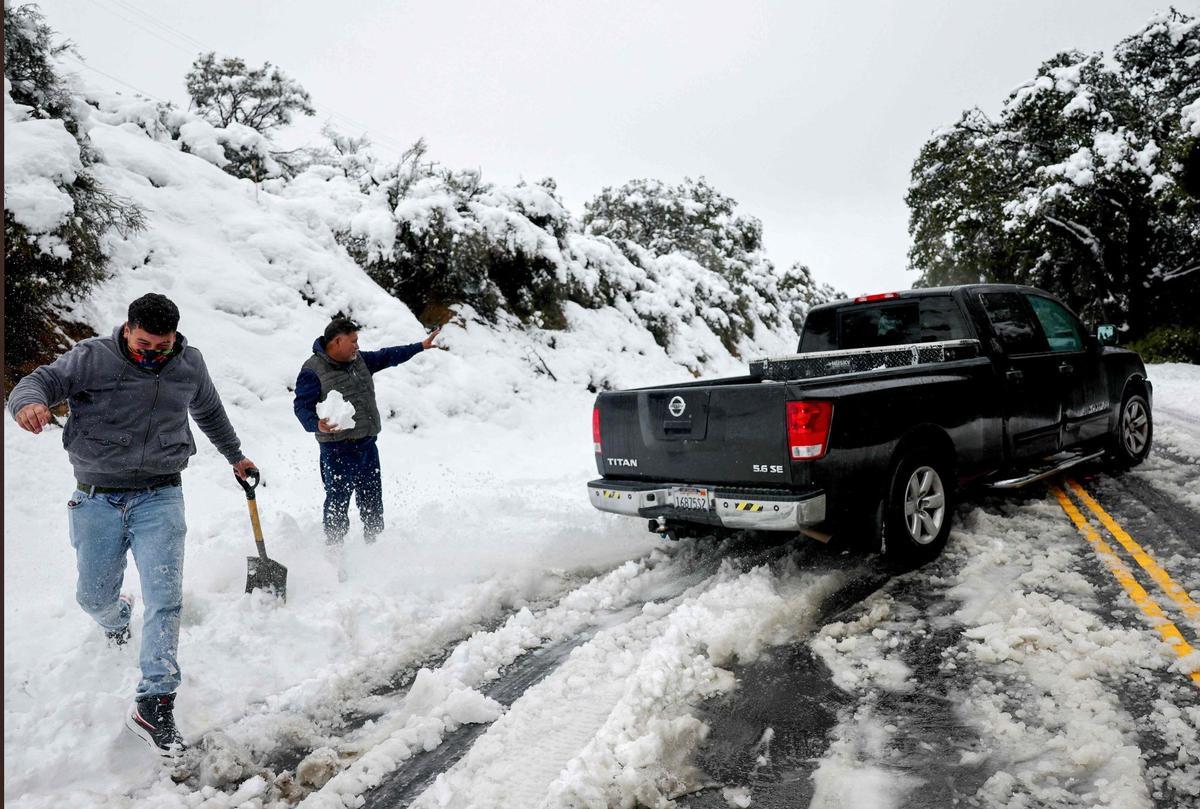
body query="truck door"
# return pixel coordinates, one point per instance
(1030, 376)
(1081, 378)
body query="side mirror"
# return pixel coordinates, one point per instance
(1106, 335)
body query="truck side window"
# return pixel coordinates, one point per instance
(1012, 322)
(1058, 324)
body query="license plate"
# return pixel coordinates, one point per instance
(691, 499)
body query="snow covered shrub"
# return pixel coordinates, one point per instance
(434, 237)
(56, 215)
(1170, 344)
(692, 218)
(689, 237)
(244, 106)
(1079, 186)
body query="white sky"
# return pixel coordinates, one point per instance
(809, 114)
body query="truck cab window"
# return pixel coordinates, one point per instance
(820, 332)
(941, 320)
(872, 326)
(1059, 325)
(1012, 322)
(924, 319)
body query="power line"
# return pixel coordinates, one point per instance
(123, 16)
(83, 64)
(170, 29)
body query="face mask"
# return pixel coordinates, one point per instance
(150, 357)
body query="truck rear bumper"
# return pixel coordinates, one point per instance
(754, 509)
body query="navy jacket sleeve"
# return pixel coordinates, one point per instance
(308, 391)
(390, 357)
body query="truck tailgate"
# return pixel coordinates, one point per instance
(720, 433)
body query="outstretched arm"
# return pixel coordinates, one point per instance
(390, 357)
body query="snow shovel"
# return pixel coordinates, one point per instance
(261, 573)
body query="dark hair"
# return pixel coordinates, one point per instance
(155, 313)
(340, 325)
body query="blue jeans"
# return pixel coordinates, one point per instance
(351, 467)
(104, 527)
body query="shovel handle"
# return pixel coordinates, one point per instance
(250, 483)
(254, 524)
(248, 486)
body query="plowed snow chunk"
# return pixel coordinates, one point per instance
(316, 770)
(469, 707)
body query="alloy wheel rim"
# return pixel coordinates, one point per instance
(924, 505)
(1135, 426)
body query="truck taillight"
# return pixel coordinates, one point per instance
(596, 428)
(808, 429)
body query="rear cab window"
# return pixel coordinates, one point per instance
(926, 319)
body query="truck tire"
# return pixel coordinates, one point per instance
(917, 508)
(1130, 441)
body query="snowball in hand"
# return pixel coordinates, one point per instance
(337, 411)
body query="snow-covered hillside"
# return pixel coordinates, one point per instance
(486, 447)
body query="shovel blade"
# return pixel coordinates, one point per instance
(266, 574)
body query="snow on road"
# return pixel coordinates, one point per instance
(1071, 696)
(1054, 688)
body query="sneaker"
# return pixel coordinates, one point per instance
(120, 637)
(153, 721)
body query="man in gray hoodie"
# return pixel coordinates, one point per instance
(128, 439)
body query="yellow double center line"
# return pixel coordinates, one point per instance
(1149, 607)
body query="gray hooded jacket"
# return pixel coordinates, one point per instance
(128, 426)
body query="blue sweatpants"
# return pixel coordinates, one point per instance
(351, 467)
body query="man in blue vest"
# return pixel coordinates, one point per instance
(128, 439)
(349, 457)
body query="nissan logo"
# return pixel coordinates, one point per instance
(677, 406)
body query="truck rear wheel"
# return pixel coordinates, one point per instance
(917, 508)
(1130, 442)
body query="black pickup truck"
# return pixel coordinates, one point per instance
(893, 403)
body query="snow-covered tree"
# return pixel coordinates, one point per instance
(57, 216)
(226, 91)
(247, 105)
(692, 218)
(1080, 186)
(649, 219)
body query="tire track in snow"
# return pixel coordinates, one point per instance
(770, 735)
(1175, 414)
(415, 776)
(500, 665)
(630, 687)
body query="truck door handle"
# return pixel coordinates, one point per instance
(1066, 369)
(1014, 376)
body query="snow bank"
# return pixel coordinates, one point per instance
(40, 158)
